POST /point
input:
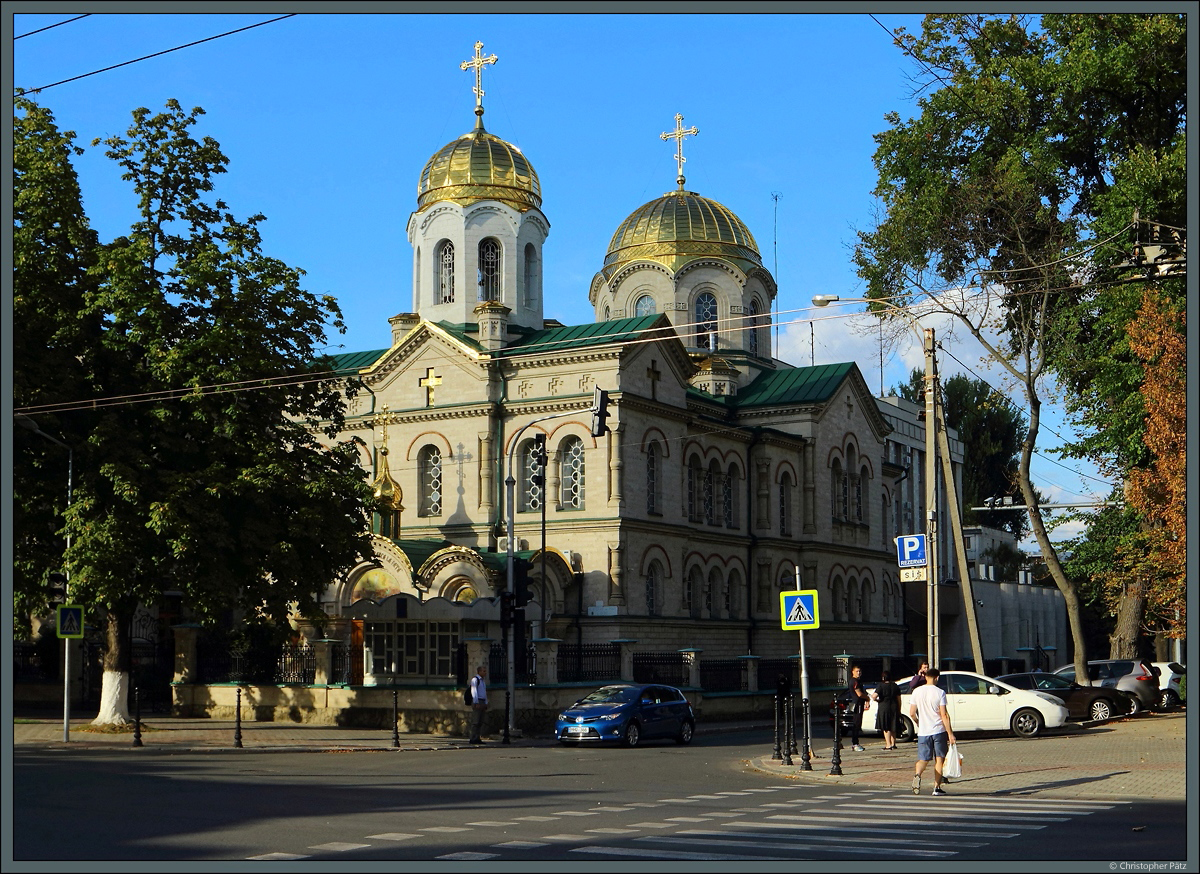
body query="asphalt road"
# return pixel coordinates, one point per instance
(540, 807)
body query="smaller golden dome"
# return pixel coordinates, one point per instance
(479, 166)
(387, 491)
(679, 227)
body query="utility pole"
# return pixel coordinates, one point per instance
(931, 499)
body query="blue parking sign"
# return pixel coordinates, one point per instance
(798, 610)
(910, 550)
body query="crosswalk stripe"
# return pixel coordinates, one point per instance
(467, 856)
(276, 857)
(521, 845)
(876, 820)
(840, 822)
(810, 848)
(963, 810)
(908, 841)
(392, 836)
(681, 855)
(338, 846)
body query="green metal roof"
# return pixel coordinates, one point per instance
(583, 336)
(349, 363)
(794, 385)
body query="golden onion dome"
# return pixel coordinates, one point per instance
(678, 227)
(387, 491)
(479, 166)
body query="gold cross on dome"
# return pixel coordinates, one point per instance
(478, 62)
(430, 381)
(678, 134)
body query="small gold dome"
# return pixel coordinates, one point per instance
(387, 491)
(479, 166)
(679, 227)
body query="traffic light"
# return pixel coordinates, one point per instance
(58, 588)
(507, 609)
(599, 412)
(521, 568)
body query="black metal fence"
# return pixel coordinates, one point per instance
(588, 662)
(722, 675)
(525, 668)
(341, 668)
(660, 667)
(35, 662)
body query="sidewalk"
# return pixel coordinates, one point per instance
(1143, 757)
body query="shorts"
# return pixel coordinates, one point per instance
(930, 746)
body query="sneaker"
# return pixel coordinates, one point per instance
(858, 748)
(916, 784)
(938, 790)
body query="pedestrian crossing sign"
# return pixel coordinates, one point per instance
(70, 621)
(798, 610)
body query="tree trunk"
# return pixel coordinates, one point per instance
(1123, 642)
(114, 686)
(1049, 555)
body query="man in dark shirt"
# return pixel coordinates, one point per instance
(860, 700)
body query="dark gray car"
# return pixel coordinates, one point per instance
(1128, 675)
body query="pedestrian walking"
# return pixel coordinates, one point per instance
(479, 703)
(927, 708)
(887, 696)
(918, 679)
(859, 701)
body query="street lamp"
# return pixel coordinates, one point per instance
(30, 425)
(925, 337)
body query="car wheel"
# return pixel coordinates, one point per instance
(1169, 699)
(1027, 723)
(1135, 706)
(686, 732)
(1100, 710)
(632, 735)
(908, 732)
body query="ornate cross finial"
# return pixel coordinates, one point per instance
(478, 62)
(678, 134)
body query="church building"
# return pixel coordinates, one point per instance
(723, 476)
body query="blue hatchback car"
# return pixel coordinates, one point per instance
(628, 714)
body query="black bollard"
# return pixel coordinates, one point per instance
(395, 720)
(836, 770)
(506, 712)
(775, 756)
(791, 735)
(237, 721)
(137, 716)
(805, 763)
(788, 728)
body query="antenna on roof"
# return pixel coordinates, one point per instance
(775, 195)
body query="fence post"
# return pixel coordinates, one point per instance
(691, 660)
(479, 652)
(547, 660)
(185, 635)
(323, 652)
(749, 672)
(626, 646)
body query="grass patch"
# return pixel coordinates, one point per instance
(113, 729)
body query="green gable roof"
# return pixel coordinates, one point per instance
(794, 385)
(350, 363)
(574, 337)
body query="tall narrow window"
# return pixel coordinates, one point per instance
(533, 472)
(489, 270)
(706, 321)
(709, 505)
(531, 275)
(653, 588)
(653, 462)
(429, 465)
(752, 328)
(695, 485)
(446, 273)
(572, 474)
(644, 306)
(728, 511)
(785, 504)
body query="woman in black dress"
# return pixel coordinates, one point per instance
(888, 695)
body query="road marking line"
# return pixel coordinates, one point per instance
(488, 822)
(338, 846)
(467, 857)
(924, 822)
(840, 848)
(521, 845)
(645, 804)
(276, 857)
(572, 838)
(575, 813)
(655, 824)
(834, 838)
(687, 819)
(537, 818)
(839, 824)
(679, 854)
(444, 828)
(613, 831)
(392, 836)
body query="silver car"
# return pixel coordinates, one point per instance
(1129, 675)
(1168, 682)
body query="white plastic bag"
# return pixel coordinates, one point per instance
(953, 764)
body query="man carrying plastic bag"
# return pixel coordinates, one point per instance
(927, 708)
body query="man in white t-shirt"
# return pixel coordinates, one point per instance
(479, 703)
(927, 708)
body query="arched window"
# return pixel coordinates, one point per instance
(607, 314)
(864, 606)
(695, 488)
(572, 474)
(644, 306)
(653, 478)
(489, 269)
(785, 504)
(711, 473)
(835, 489)
(710, 590)
(653, 588)
(429, 476)
(860, 498)
(691, 593)
(706, 321)
(887, 600)
(839, 598)
(733, 588)
(728, 500)
(533, 484)
(531, 274)
(445, 261)
(752, 328)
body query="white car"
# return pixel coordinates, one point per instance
(1168, 681)
(979, 703)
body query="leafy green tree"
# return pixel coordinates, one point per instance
(213, 465)
(54, 248)
(991, 429)
(1032, 135)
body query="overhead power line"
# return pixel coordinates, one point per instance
(155, 55)
(50, 26)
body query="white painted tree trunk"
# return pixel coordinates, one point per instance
(114, 698)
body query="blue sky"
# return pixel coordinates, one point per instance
(328, 120)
